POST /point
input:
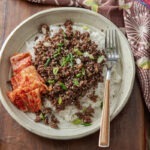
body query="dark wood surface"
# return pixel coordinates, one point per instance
(127, 129)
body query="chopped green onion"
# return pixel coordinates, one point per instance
(63, 62)
(59, 100)
(78, 75)
(86, 54)
(85, 27)
(91, 56)
(83, 71)
(78, 52)
(57, 52)
(100, 59)
(69, 57)
(75, 82)
(64, 34)
(50, 81)
(47, 62)
(77, 121)
(84, 109)
(101, 105)
(60, 44)
(55, 70)
(63, 86)
(71, 63)
(86, 124)
(42, 116)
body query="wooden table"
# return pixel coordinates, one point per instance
(127, 129)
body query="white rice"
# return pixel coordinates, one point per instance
(67, 116)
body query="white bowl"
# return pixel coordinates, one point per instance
(29, 27)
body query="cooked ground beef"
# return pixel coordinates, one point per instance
(86, 115)
(93, 97)
(46, 116)
(69, 64)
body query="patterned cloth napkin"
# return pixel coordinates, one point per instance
(132, 15)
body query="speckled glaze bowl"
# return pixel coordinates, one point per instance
(25, 30)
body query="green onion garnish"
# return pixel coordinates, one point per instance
(50, 81)
(63, 62)
(83, 71)
(86, 124)
(84, 109)
(70, 59)
(91, 56)
(47, 62)
(42, 116)
(78, 75)
(57, 52)
(67, 59)
(100, 59)
(86, 54)
(78, 52)
(59, 100)
(63, 86)
(60, 44)
(75, 82)
(55, 70)
(71, 64)
(101, 105)
(64, 34)
(85, 27)
(77, 121)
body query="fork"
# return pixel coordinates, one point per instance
(111, 50)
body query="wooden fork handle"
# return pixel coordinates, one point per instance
(105, 120)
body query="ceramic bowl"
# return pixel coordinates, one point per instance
(25, 30)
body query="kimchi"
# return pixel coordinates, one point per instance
(27, 84)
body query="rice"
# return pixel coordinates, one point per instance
(67, 116)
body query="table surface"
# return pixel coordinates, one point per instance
(127, 129)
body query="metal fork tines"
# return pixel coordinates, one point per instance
(111, 49)
(111, 45)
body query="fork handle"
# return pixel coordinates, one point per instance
(105, 120)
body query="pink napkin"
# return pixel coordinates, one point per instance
(132, 15)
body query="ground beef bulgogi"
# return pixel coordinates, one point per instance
(70, 64)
